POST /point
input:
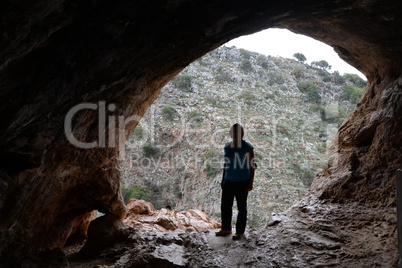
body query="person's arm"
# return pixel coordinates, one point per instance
(223, 174)
(250, 156)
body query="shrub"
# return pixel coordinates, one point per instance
(177, 191)
(270, 96)
(136, 192)
(246, 66)
(311, 91)
(306, 175)
(275, 78)
(168, 113)
(338, 79)
(351, 94)
(325, 75)
(306, 86)
(211, 154)
(183, 82)
(150, 150)
(138, 132)
(214, 101)
(283, 128)
(196, 117)
(355, 79)
(212, 162)
(223, 76)
(262, 62)
(298, 72)
(313, 96)
(318, 108)
(211, 171)
(245, 53)
(248, 97)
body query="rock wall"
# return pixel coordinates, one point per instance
(366, 152)
(56, 55)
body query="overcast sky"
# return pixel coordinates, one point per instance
(284, 43)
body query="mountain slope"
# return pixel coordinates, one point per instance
(290, 112)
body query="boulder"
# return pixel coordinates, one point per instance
(144, 217)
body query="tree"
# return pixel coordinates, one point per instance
(246, 66)
(322, 64)
(355, 79)
(351, 93)
(300, 57)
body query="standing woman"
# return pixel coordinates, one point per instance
(237, 181)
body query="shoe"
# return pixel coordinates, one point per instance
(223, 233)
(237, 236)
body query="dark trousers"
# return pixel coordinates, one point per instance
(231, 190)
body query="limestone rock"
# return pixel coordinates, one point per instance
(103, 232)
(144, 217)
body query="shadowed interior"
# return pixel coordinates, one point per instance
(58, 54)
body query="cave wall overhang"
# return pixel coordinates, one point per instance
(56, 55)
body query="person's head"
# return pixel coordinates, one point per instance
(236, 132)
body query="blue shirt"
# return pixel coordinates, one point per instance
(237, 168)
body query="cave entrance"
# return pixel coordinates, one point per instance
(290, 109)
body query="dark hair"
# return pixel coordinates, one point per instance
(236, 127)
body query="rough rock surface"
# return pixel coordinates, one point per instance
(144, 217)
(57, 54)
(319, 235)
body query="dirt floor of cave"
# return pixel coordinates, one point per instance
(318, 235)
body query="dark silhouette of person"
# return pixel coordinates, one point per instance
(237, 181)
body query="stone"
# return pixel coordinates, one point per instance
(136, 206)
(104, 232)
(165, 220)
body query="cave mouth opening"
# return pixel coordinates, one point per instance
(291, 111)
(34, 80)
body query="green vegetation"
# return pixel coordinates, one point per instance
(136, 192)
(355, 79)
(275, 78)
(323, 64)
(246, 66)
(183, 82)
(168, 113)
(338, 79)
(138, 132)
(245, 54)
(351, 93)
(211, 169)
(311, 90)
(298, 72)
(313, 96)
(211, 154)
(262, 61)
(214, 101)
(306, 86)
(290, 111)
(300, 57)
(150, 150)
(248, 97)
(212, 160)
(326, 76)
(196, 117)
(223, 76)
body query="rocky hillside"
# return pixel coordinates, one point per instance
(290, 112)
